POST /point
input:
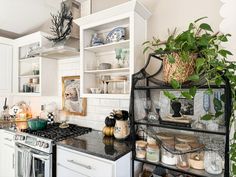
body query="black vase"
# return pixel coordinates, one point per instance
(176, 106)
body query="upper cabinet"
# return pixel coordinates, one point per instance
(6, 53)
(33, 74)
(111, 49)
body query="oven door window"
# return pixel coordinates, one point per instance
(41, 165)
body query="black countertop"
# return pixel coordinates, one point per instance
(94, 143)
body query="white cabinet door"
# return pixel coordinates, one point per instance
(63, 171)
(8, 160)
(5, 68)
(1, 153)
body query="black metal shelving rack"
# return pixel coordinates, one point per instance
(147, 79)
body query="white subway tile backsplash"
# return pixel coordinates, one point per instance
(124, 104)
(109, 103)
(93, 101)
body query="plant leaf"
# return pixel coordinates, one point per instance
(209, 91)
(175, 84)
(206, 27)
(187, 95)
(171, 96)
(218, 114)
(222, 98)
(207, 117)
(217, 104)
(224, 53)
(146, 42)
(192, 91)
(194, 78)
(218, 81)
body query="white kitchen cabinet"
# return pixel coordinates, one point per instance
(76, 164)
(131, 16)
(6, 56)
(7, 160)
(33, 75)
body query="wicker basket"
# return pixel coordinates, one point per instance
(180, 70)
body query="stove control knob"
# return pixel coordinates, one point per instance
(45, 145)
(22, 138)
(16, 137)
(38, 143)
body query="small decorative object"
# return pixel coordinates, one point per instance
(71, 101)
(124, 57)
(116, 35)
(206, 102)
(152, 116)
(61, 25)
(104, 66)
(158, 111)
(105, 81)
(213, 162)
(35, 68)
(118, 57)
(183, 159)
(122, 130)
(96, 40)
(108, 131)
(147, 103)
(51, 108)
(197, 160)
(176, 106)
(153, 153)
(141, 149)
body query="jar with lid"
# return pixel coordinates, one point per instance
(153, 153)
(183, 158)
(141, 149)
(196, 160)
(167, 157)
(213, 162)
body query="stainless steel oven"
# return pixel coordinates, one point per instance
(33, 157)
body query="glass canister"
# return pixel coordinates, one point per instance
(196, 160)
(183, 159)
(186, 139)
(153, 153)
(141, 149)
(213, 162)
(167, 157)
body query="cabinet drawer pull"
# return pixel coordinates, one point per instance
(8, 139)
(80, 164)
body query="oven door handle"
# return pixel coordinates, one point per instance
(41, 157)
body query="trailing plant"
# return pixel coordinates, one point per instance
(61, 24)
(211, 66)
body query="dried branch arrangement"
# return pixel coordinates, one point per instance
(61, 24)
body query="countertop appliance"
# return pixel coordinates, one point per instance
(36, 150)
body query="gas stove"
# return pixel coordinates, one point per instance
(44, 140)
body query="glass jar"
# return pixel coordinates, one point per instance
(213, 162)
(196, 160)
(167, 157)
(183, 159)
(186, 139)
(141, 149)
(153, 153)
(151, 140)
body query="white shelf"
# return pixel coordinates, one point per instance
(29, 76)
(113, 96)
(27, 94)
(29, 59)
(108, 70)
(108, 47)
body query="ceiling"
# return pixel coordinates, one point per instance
(21, 16)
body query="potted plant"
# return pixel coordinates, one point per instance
(196, 57)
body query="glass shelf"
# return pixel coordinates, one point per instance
(198, 173)
(221, 131)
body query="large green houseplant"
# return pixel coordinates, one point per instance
(199, 49)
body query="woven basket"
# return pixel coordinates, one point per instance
(180, 70)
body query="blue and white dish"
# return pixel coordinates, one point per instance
(116, 35)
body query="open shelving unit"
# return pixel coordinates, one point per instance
(149, 85)
(31, 70)
(132, 16)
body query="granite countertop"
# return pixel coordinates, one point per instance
(94, 143)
